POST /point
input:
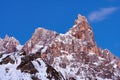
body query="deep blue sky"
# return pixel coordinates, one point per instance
(19, 18)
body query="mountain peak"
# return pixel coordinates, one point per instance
(39, 30)
(80, 18)
(41, 37)
(8, 44)
(81, 29)
(6, 37)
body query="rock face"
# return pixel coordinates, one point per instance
(52, 56)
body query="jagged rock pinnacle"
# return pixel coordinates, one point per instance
(81, 18)
(82, 30)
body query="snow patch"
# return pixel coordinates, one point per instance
(44, 49)
(63, 51)
(74, 26)
(69, 57)
(9, 71)
(100, 58)
(112, 62)
(36, 48)
(115, 65)
(19, 47)
(96, 63)
(91, 53)
(3, 56)
(40, 68)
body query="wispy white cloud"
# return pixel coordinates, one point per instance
(101, 14)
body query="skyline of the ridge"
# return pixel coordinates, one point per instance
(21, 18)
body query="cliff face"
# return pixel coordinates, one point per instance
(70, 56)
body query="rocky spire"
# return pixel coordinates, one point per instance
(82, 30)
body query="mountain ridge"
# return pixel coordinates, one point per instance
(49, 55)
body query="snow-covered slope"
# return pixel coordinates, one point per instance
(16, 66)
(52, 56)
